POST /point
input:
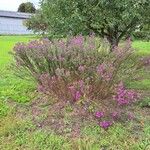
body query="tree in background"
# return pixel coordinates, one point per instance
(37, 23)
(111, 19)
(27, 7)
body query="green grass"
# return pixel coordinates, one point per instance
(140, 85)
(142, 47)
(11, 86)
(16, 134)
(6, 45)
(22, 135)
(19, 134)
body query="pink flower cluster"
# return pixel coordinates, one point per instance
(77, 41)
(99, 114)
(77, 90)
(107, 120)
(105, 124)
(105, 71)
(124, 96)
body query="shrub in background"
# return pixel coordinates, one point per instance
(142, 35)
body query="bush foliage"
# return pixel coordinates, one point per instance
(80, 69)
(142, 35)
(76, 64)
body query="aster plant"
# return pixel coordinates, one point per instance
(79, 68)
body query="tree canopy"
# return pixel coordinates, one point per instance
(27, 7)
(37, 23)
(113, 19)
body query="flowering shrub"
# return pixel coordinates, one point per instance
(78, 68)
(124, 96)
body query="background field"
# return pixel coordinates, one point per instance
(18, 134)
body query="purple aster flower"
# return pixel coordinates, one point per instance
(125, 96)
(99, 114)
(105, 124)
(77, 95)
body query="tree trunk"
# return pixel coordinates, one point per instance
(113, 43)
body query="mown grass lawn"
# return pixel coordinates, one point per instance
(142, 47)
(11, 87)
(7, 43)
(16, 133)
